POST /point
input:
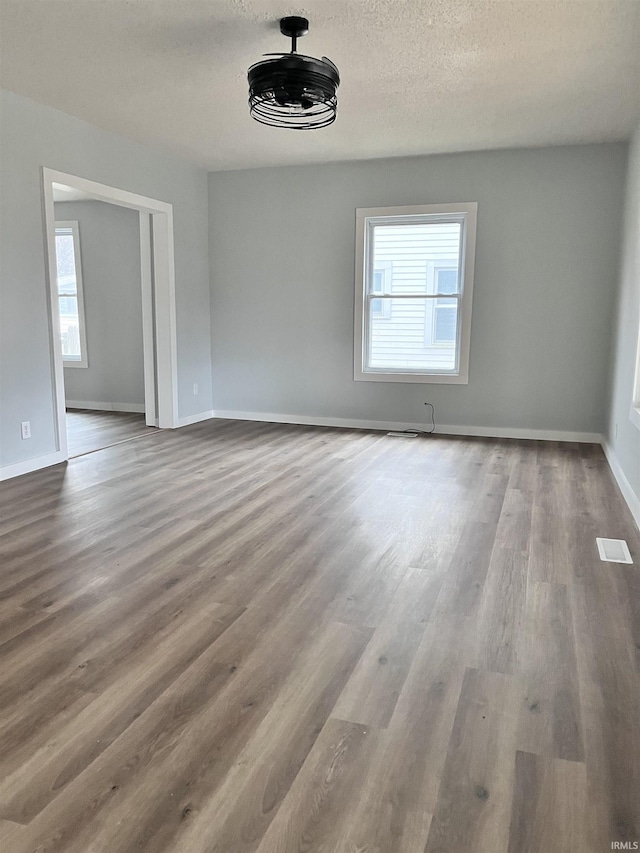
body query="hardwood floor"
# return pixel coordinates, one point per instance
(240, 637)
(89, 430)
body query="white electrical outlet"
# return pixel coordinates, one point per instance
(25, 429)
(195, 389)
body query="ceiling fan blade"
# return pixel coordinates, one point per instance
(332, 64)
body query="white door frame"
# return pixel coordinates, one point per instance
(158, 299)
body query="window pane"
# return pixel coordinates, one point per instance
(68, 306)
(69, 327)
(411, 251)
(67, 292)
(66, 263)
(71, 344)
(403, 339)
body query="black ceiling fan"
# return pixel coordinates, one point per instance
(291, 90)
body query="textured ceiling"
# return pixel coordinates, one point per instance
(418, 76)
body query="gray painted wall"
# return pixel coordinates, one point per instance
(110, 256)
(33, 136)
(281, 251)
(282, 279)
(626, 328)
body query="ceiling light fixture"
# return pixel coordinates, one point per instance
(293, 91)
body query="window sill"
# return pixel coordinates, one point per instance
(425, 378)
(66, 364)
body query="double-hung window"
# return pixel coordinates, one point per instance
(70, 295)
(414, 283)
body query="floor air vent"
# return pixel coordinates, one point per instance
(403, 434)
(614, 551)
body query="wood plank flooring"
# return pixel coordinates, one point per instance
(256, 638)
(93, 430)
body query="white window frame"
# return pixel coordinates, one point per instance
(466, 214)
(83, 361)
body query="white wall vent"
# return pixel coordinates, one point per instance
(614, 550)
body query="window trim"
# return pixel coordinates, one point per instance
(73, 226)
(468, 212)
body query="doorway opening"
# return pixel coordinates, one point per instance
(125, 329)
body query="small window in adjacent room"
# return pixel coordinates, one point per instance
(414, 281)
(70, 295)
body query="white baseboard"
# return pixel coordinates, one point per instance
(195, 419)
(28, 465)
(633, 501)
(441, 429)
(136, 408)
(7, 472)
